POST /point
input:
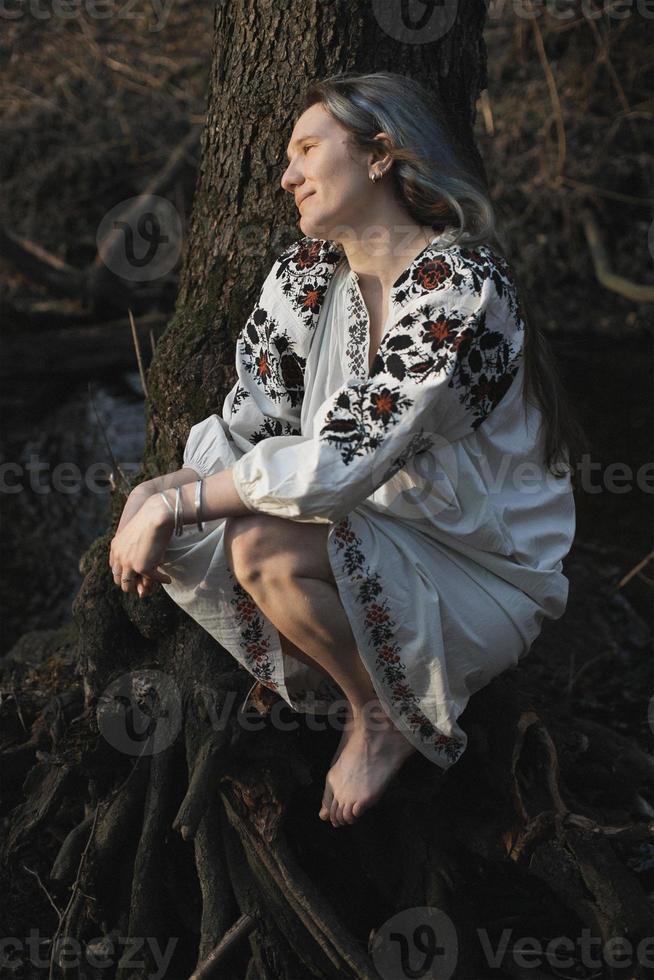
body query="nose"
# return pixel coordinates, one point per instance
(290, 179)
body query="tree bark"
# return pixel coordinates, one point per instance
(219, 831)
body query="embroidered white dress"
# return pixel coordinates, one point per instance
(447, 532)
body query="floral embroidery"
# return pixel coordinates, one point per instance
(253, 642)
(305, 270)
(459, 269)
(380, 628)
(270, 426)
(479, 362)
(476, 360)
(269, 355)
(361, 418)
(434, 339)
(274, 355)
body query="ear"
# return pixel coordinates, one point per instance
(382, 155)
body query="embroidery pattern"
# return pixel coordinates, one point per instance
(253, 642)
(479, 362)
(361, 417)
(269, 352)
(269, 355)
(418, 442)
(305, 270)
(271, 426)
(357, 332)
(380, 628)
(460, 269)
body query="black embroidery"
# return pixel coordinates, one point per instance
(274, 353)
(460, 269)
(271, 426)
(361, 418)
(355, 351)
(269, 355)
(304, 271)
(479, 362)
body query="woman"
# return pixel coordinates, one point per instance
(387, 493)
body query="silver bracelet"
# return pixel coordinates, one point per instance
(198, 505)
(179, 523)
(168, 503)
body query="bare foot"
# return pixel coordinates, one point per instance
(366, 762)
(347, 720)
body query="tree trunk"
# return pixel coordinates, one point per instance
(213, 828)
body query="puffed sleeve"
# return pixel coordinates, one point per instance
(442, 367)
(266, 399)
(209, 447)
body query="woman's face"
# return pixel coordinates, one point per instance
(327, 177)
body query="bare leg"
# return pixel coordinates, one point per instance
(285, 567)
(309, 613)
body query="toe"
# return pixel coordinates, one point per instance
(357, 809)
(327, 800)
(348, 815)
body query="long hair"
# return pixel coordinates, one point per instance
(437, 181)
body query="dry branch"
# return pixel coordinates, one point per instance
(618, 284)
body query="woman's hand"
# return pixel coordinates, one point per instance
(134, 502)
(139, 545)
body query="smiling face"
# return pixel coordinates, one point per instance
(329, 177)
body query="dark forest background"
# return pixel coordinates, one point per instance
(94, 112)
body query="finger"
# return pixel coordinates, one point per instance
(159, 576)
(116, 572)
(128, 580)
(145, 586)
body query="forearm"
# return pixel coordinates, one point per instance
(175, 479)
(219, 497)
(143, 491)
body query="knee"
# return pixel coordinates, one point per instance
(251, 543)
